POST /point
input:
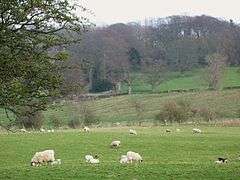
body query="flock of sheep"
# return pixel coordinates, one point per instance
(47, 156)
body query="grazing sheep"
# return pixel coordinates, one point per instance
(178, 130)
(91, 159)
(42, 130)
(23, 130)
(133, 156)
(94, 161)
(124, 159)
(86, 129)
(56, 162)
(168, 130)
(115, 144)
(50, 130)
(132, 131)
(88, 158)
(221, 160)
(195, 130)
(43, 157)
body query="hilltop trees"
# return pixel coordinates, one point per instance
(118, 53)
(32, 37)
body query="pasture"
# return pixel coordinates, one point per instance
(176, 155)
(194, 79)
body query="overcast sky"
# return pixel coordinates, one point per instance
(114, 11)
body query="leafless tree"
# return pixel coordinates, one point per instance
(215, 70)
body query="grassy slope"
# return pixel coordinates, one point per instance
(178, 155)
(117, 109)
(188, 80)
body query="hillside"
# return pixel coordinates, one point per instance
(226, 104)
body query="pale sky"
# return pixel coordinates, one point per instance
(114, 11)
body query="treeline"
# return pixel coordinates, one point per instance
(108, 56)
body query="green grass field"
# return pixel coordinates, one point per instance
(188, 80)
(176, 155)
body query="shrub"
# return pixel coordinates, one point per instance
(55, 121)
(88, 116)
(74, 122)
(30, 119)
(207, 114)
(173, 111)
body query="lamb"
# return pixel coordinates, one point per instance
(23, 130)
(124, 159)
(133, 132)
(43, 157)
(195, 130)
(86, 129)
(50, 130)
(221, 160)
(56, 162)
(42, 130)
(88, 158)
(91, 159)
(133, 156)
(94, 161)
(115, 144)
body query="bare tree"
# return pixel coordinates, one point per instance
(215, 69)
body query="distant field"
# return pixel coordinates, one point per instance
(189, 80)
(118, 109)
(176, 155)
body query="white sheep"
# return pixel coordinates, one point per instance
(178, 130)
(42, 130)
(133, 156)
(195, 130)
(132, 131)
(43, 157)
(56, 162)
(91, 159)
(50, 130)
(86, 129)
(94, 161)
(88, 158)
(23, 130)
(115, 144)
(124, 159)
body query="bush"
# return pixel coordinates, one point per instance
(74, 122)
(88, 116)
(30, 119)
(174, 112)
(207, 114)
(55, 121)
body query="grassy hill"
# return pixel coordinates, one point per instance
(226, 104)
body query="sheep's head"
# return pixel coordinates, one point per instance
(34, 161)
